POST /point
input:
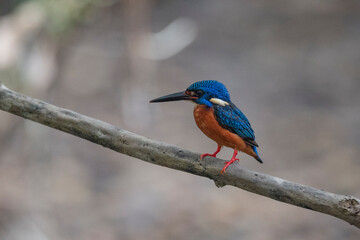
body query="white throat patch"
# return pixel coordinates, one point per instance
(219, 101)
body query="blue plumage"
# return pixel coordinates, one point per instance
(210, 89)
(232, 119)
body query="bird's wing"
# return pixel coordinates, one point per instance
(232, 119)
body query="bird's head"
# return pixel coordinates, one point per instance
(207, 92)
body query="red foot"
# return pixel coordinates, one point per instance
(228, 164)
(233, 159)
(212, 155)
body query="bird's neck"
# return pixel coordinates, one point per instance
(201, 111)
(201, 107)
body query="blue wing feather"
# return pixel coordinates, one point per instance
(232, 119)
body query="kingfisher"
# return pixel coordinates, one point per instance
(218, 118)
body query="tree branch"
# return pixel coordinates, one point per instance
(346, 208)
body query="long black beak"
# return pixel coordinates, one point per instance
(174, 97)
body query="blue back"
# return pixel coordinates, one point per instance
(232, 119)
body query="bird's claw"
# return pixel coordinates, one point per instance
(227, 163)
(231, 161)
(211, 155)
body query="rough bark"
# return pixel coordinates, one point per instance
(346, 208)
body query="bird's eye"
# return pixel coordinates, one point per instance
(199, 93)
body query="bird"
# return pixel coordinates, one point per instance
(218, 118)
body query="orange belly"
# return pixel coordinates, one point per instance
(205, 120)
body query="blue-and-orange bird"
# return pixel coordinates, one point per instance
(218, 118)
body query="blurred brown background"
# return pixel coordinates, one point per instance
(291, 66)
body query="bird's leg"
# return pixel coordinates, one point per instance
(212, 155)
(233, 159)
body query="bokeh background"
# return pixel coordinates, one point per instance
(292, 66)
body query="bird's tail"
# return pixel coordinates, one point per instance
(257, 155)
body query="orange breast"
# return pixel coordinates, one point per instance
(205, 120)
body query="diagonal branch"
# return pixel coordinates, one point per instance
(346, 208)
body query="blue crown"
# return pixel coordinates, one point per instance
(212, 88)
